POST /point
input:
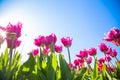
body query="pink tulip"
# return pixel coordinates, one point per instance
(114, 53)
(100, 65)
(89, 60)
(111, 68)
(35, 52)
(58, 48)
(40, 41)
(66, 41)
(13, 32)
(101, 60)
(109, 51)
(14, 29)
(113, 34)
(84, 53)
(51, 39)
(103, 47)
(76, 62)
(108, 58)
(46, 50)
(92, 51)
(81, 60)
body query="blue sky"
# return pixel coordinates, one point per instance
(85, 21)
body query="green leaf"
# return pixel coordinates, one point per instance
(41, 75)
(79, 77)
(51, 74)
(54, 61)
(95, 70)
(104, 70)
(30, 63)
(27, 69)
(58, 74)
(109, 77)
(65, 70)
(117, 70)
(44, 64)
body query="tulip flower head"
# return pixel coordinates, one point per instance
(89, 60)
(58, 48)
(101, 60)
(114, 53)
(113, 36)
(35, 52)
(13, 32)
(84, 53)
(103, 47)
(92, 51)
(40, 41)
(108, 58)
(50, 39)
(66, 41)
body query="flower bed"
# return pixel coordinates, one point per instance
(47, 63)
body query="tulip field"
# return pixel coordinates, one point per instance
(47, 61)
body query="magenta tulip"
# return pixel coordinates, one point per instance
(66, 41)
(40, 41)
(58, 48)
(92, 51)
(35, 52)
(89, 60)
(103, 47)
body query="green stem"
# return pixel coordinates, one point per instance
(11, 51)
(69, 55)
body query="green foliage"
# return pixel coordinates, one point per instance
(65, 70)
(80, 76)
(50, 68)
(95, 70)
(9, 71)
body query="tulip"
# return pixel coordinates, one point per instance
(76, 62)
(84, 53)
(103, 47)
(109, 50)
(114, 53)
(51, 39)
(108, 58)
(66, 41)
(14, 29)
(40, 41)
(35, 52)
(113, 36)
(58, 48)
(46, 50)
(81, 60)
(92, 51)
(101, 60)
(89, 60)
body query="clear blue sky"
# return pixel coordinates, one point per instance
(85, 21)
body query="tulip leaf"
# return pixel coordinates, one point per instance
(54, 61)
(79, 77)
(51, 74)
(95, 70)
(65, 70)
